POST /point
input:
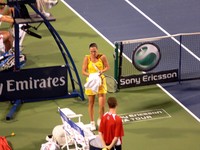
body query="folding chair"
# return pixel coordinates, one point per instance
(75, 132)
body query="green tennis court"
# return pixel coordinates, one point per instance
(173, 128)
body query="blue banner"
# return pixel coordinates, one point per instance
(34, 83)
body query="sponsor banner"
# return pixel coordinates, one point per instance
(144, 116)
(34, 83)
(149, 78)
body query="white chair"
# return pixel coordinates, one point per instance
(77, 135)
(70, 114)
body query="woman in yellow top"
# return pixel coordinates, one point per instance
(101, 62)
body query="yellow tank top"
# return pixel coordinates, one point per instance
(98, 64)
(91, 69)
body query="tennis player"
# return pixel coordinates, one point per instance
(101, 62)
(111, 128)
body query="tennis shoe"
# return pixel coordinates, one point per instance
(92, 126)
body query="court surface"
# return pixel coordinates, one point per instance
(123, 20)
(104, 22)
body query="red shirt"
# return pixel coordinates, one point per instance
(110, 127)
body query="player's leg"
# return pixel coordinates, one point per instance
(50, 3)
(102, 100)
(40, 6)
(7, 39)
(91, 99)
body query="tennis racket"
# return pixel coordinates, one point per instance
(111, 83)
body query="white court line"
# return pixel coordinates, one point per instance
(167, 33)
(163, 30)
(178, 102)
(127, 57)
(88, 23)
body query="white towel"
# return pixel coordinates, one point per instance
(93, 83)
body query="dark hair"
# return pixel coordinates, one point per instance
(112, 102)
(93, 45)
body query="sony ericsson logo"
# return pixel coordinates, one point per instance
(146, 56)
